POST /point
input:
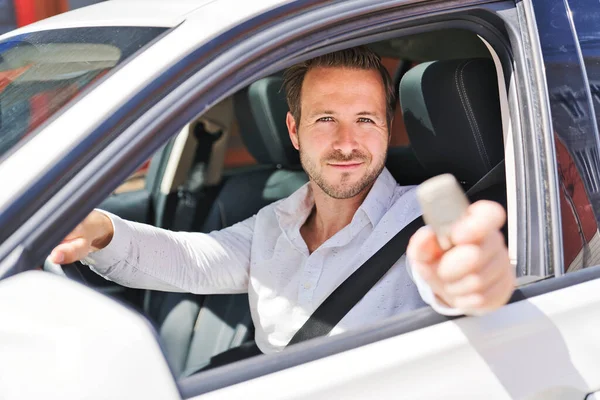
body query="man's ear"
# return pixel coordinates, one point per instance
(292, 129)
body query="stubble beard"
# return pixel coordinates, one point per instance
(342, 190)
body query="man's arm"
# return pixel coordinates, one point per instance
(142, 256)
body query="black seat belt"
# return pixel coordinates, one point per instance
(356, 286)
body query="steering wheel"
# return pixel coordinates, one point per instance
(53, 268)
(72, 272)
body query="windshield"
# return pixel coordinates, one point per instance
(41, 72)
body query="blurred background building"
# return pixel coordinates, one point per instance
(16, 13)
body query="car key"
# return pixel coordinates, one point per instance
(443, 202)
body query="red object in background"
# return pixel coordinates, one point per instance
(7, 77)
(144, 167)
(25, 12)
(29, 11)
(578, 220)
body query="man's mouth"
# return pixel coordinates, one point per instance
(347, 165)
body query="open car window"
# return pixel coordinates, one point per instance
(41, 72)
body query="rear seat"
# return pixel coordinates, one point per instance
(195, 328)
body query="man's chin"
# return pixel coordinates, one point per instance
(345, 190)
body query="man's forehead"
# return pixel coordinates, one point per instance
(340, 73)
(322, 81)
(334, 80)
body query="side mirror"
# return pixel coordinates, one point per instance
(62, 340)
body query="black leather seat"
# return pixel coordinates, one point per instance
(195, 328)
(451, 109)
(260, 111)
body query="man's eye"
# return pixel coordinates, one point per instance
(325, 119)
(367, 120)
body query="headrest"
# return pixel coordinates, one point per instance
(452, 114)
(261, 115)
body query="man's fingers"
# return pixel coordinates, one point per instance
(71, 251)
(76, 233)
(423, 253)
(482, 218)
(478, 283)
(468, 259)
(494, 297)
(423, 246)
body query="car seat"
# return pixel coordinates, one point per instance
(451, 110)
(195, 328)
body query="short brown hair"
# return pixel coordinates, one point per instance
(357, 57)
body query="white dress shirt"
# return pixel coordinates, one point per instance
(266, 257)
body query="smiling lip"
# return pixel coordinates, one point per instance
(346, 166)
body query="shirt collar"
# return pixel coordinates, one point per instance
(295, 209)
(379, 199)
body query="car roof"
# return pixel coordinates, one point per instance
(154, 13)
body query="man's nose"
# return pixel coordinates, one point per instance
(345, 140)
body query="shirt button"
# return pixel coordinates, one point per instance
(307, 286)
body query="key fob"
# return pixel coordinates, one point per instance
(443, 202)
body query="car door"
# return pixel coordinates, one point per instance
(534, 347)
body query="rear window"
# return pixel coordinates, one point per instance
(41, 72)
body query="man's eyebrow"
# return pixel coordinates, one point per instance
(322, 112)
(367, 113)
(377, 117)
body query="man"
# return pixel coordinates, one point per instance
(293, 253)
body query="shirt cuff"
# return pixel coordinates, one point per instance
(103, 260)
(427, 293)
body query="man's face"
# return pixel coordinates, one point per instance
(343, 134)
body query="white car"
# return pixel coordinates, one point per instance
(194, 85)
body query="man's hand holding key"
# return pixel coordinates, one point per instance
(475, 275)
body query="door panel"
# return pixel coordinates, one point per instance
(532, 349)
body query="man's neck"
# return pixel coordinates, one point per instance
(329, 216)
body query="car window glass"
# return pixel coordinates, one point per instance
(41, 72)
(574, 122)
(579, 162)
(135, 181)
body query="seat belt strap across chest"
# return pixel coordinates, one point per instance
(349, 293)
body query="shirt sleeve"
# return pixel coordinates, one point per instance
(427, 294)
(145, 257)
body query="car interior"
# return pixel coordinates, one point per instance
(237, 158)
